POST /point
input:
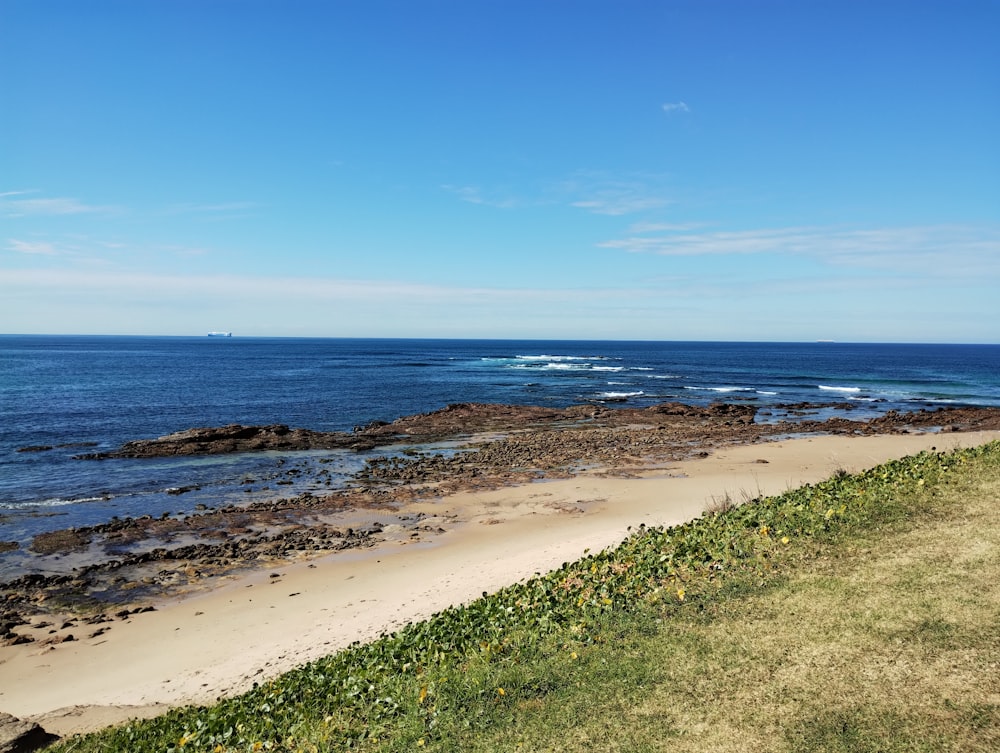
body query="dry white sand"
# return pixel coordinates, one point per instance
(249, 628)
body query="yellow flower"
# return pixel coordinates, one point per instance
(784, 539)
(764, 530)
(501, 691)
(572, 655)
(680, 594)
(423, 694)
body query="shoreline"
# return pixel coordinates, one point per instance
(102, 569)
(464, 445)
(248, 626)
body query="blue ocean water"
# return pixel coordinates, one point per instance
(85, 393)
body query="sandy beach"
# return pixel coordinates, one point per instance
(245, 628)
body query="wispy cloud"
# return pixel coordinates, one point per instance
(317, 289)
(33, 248)
(671, 107)
(223, 207)
(616, 195)
(901, 247)
(664, 227)
(76, 250)
(476, 195)
(785, 240)
(619, 203)
(594, 191)
(48, 206)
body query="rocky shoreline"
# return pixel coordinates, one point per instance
(133, 561)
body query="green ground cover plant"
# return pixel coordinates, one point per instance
(857, 614)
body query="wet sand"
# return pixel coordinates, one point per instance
(244, 626)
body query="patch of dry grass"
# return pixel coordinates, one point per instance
(890, 642)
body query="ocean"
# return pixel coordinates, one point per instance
(80, 394)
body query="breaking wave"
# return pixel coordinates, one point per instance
(720, 389)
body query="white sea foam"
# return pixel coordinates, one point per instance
(609, 368)
(720, 389)
(53, 502)
(662, 376)
(567, 366)
(839, 389)
(556, 358)
(619, 395)
(765, 392)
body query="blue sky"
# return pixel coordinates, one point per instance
(668, 170)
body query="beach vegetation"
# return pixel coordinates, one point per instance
(856, 614)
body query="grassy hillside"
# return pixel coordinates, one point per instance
(859, 614)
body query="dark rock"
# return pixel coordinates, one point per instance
(17, 736)
(226, 439)
(59, 541)
(183, 489)
(370, 426)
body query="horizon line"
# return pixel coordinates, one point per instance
(205, 335)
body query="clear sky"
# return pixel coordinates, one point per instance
(623, 169)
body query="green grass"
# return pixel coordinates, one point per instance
(859, 614)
